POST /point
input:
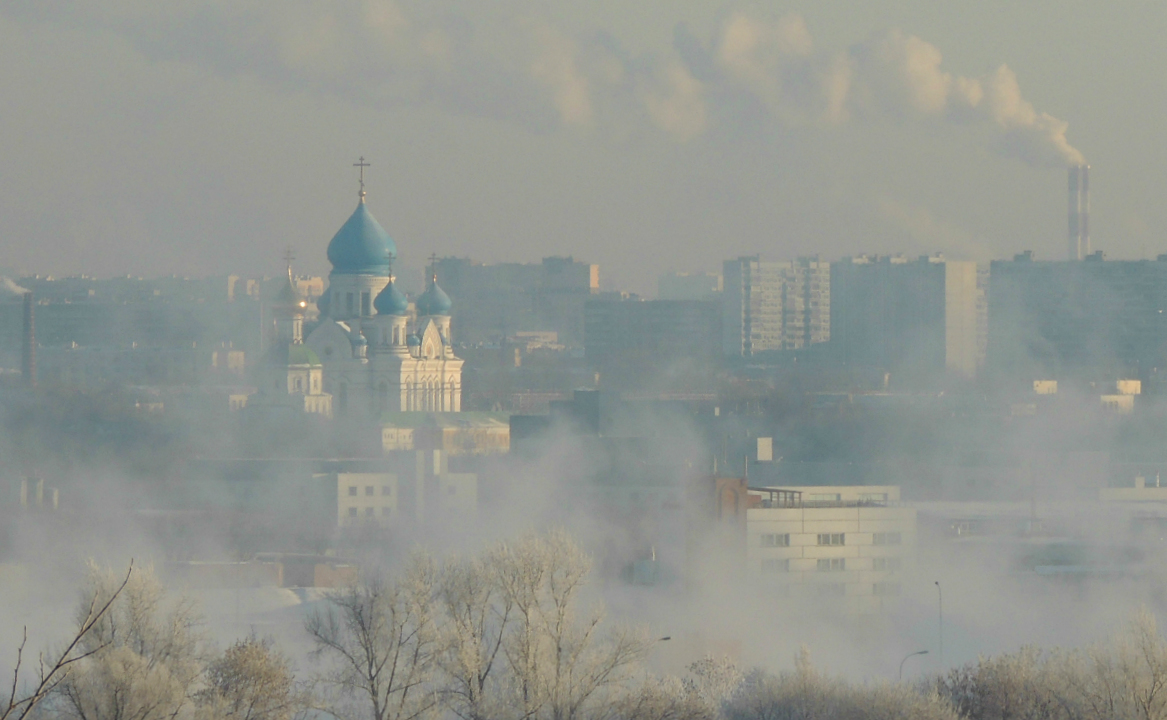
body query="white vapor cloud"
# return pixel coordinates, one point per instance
(524, 68)
(890, 74)
(11, 288)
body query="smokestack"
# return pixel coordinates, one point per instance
(28, 358)
(1084, 209)
(1078, 242)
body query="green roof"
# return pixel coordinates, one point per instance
(302, 355)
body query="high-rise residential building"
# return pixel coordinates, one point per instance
(769, 306)
(497, 300)
(1052, 318)
(901, 314)
(634, 337)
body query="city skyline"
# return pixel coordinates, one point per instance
(152, 151)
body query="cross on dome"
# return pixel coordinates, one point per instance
(362, 165)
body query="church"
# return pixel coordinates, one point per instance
(374, 352)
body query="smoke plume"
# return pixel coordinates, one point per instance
(7, 287)
(890, 74)
(525, 68)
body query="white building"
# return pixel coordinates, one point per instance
(849, 545)
(429, 494)
(376, 358)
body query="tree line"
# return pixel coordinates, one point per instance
(507, 635)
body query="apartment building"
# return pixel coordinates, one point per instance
(769, 306)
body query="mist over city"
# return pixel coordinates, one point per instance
(410, 360)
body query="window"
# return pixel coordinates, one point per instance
(386, 490)
(773, 565)
(349, 302)
(832, 564)
(887, 564)
(872, 497)
(352, 512)
(775, 539)
(369, 490)
(886, 589)
(369, 512)
(366, 306)
(832, 539)
(887, 538)
(352, 490)
(832, 590)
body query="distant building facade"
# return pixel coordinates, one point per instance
(689, 286)
(1052, 318)
(496, 300)
(644, 336)
(769, 306)
(898, 313)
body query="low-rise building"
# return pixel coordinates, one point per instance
(850, 545)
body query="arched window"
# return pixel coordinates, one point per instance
(383, 397)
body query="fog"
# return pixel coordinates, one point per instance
(157, 500)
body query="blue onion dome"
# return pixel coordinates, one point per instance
(413, 340)
(322, 303)
(360, 340)
(434, 301)
(361, 246)
(391, 301)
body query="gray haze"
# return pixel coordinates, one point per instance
(197, 138)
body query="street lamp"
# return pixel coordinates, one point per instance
(918, 652)
(940, 608)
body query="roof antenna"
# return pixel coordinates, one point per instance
(362, 165)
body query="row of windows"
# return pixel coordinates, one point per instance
(833, 564)
(775, 539)
(370, 490)
(783, 539)
(370, 512)
(879, 589)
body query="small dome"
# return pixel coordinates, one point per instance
(434, 301)
(413, 340)
(360, 340)
(289, 298)
(390, 301)
(361, 246)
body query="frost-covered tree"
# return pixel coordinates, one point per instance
(477, 617)
(144, 653)
(378, 640)
(54, 670)
(250, 681)
(560, 663)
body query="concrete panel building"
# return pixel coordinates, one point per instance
(770, 306)
(896, 313)
(1065, 318)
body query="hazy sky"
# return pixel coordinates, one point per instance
(191, 137)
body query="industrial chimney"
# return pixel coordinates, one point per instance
(28, 358)
(1078, 243)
